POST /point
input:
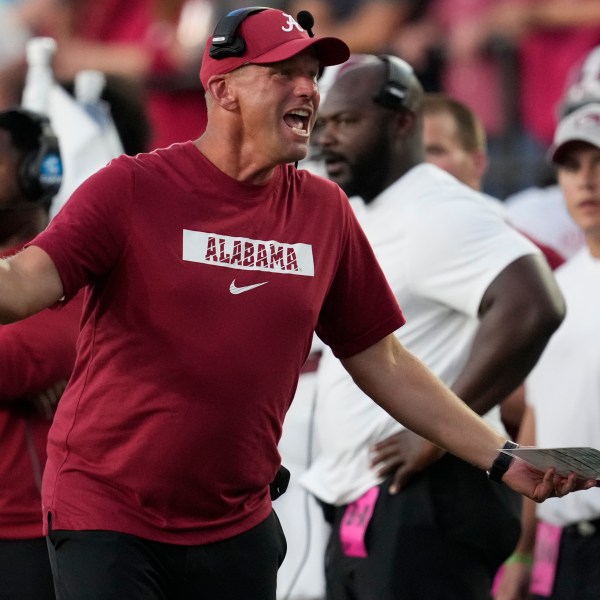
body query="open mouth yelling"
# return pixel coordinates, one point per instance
(334, 164)
(298, 120)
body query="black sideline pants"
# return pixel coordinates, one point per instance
(25, 570)
(107, 565)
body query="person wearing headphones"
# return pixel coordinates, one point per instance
(410, 520)
(36, 358)
(209, 265)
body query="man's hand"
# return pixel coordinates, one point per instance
(403, 455)
(540, 486)
(514, 582)
(45, 402)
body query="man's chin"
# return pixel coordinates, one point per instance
(340, 180)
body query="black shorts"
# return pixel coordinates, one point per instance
(104, 565)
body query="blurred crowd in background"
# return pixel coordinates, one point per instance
(515, 63)
(508, 60)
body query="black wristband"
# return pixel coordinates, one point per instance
(502, 462)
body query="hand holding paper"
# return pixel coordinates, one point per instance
(584, 462)
(543, 473)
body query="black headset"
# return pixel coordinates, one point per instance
(41, 169)
(225, 41)
(401, 90)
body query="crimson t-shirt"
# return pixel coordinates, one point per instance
(205, 292)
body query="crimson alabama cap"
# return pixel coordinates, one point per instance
(582, 125)
(271, 35)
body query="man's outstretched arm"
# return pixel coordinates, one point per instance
(403, 386)
(29, 282)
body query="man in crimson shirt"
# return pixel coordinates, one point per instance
(36, 359)
(210, 264)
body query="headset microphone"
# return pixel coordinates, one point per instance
(306, 21)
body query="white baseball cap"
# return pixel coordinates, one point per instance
(583, 83)
(582, 125)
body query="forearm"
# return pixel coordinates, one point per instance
(411, 394)
(515, 20)
(29, 282)
(369, 29)
(403, 386)
(126, 60)
(565, 13)
(373, 27)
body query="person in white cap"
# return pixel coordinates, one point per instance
(209, 264)
(541, 211)
(563, 390)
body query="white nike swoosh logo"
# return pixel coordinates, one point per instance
(234, 289)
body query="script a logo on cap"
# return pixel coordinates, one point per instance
(589, 120)
(291, 23)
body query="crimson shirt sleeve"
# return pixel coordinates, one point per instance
(89, 234)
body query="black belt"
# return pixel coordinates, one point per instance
(583, 528)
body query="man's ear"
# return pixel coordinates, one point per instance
(481, 162)
(220, 89)
(404, 121)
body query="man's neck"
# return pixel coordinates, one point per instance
(230, 156)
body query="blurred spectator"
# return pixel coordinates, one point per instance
(552, 35)
(455, 141)
(476, 78)
(366, 26)
(37, 354)
(582, 84)
(126, 101)
(507, 60)
(155, 42)
(36, 359)
(563, 391)
(541, 211)
(549, 36)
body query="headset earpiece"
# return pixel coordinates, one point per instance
(401, 90)
(225, 41)
(41, 170)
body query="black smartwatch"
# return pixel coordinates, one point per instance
(502, 462)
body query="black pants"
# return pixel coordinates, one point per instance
(107, 565)
(25, 570)
(578, 568)
(442, 538)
